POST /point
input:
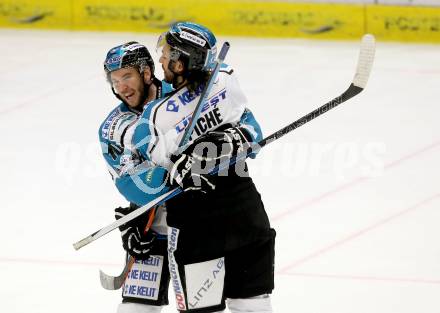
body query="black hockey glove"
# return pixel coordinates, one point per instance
(190, 172)
(191, 169)
(135, 241)
(230, 141)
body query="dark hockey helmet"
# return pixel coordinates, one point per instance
(130, 54)
(191, 43)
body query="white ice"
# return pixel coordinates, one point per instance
(354, 195)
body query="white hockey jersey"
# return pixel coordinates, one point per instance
(162, 124)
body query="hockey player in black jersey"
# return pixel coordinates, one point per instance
(220, 244)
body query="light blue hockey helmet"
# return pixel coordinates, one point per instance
(192, 43)
(130, 54)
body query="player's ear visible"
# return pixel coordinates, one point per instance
(147, 75)
(179, 67)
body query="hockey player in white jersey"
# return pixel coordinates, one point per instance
(221, 246)
(130, 71)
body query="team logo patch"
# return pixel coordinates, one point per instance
(192, 38)
(172, 106)
(113, 60)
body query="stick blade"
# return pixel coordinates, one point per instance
(113, 282)
(365, 61)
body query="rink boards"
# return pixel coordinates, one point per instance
(227, 17)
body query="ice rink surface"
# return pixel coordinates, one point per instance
(354, 195)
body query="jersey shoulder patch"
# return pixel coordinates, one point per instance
(104, 129)
(115, 125)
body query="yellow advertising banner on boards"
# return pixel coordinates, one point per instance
(398, 23)
(229, 17)
(242, 18)
(41, 14)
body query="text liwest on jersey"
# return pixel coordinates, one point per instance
(187, 97)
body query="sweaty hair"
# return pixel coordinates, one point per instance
(195, 79)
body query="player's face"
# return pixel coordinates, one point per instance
(165, 61)
(129, 85)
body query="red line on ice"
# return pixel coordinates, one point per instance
(357, 234)
(350, 184)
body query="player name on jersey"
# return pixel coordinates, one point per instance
(205, 122)
(208, 120)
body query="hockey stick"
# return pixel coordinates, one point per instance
(115, 282)
(198, 109)
(363, 69)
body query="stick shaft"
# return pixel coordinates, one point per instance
(362, 73)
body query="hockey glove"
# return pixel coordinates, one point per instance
(135, 241)
(189, 173)
(191, 169)
(230, 141)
